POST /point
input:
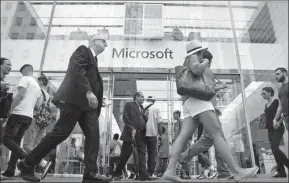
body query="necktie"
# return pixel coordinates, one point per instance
(95, 58)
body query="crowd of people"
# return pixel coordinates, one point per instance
(145, 147)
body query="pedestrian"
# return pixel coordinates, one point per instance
(5, 105)
(135, 119)
(281, 75)
(275, 133)
(21, 115)
(153, 129)
(37, 130)
(192, 107)
(163, 154)
(79, 98)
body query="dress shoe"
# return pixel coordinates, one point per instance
(8, 173)
(92, 177)
(27, 172)
(148, 178)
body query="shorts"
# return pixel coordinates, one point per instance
(194, 106)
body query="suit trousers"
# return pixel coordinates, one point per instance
(126, 151)
(14, 131)
(69, 116)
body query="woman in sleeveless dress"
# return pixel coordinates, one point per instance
(205, 111)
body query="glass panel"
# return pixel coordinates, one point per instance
(263, 47)
(21, 41)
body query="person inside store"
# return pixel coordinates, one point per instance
(5, 105)
(133, 136)
(163, 154)
(275, 132)
(80, 98)
(193, 106)
(114, 156)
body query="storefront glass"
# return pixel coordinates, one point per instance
(145, 42)
(263, 47)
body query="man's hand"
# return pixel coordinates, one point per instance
(92, 100)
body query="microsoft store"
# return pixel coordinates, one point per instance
(247, 39)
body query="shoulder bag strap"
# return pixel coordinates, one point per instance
(217, 79)
(147, 107)
(43, 95)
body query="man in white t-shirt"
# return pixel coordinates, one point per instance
(153, 129)
(20, 118)
(37, 132)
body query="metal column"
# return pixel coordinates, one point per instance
(47, 38)
(242, 81)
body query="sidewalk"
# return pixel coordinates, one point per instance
(260, 178)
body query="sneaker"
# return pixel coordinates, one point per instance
(45, 169)
(213, 173)
(206, 173)
(246, 173)
(201, 176)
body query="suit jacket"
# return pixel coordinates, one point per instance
(81, 76)
(134, 118)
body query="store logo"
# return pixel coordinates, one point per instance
(127, 53)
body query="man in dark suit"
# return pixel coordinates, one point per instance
(135, 118)
(79, 98)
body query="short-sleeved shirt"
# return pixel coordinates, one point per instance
(154, 119)
(283, 97)
(33, 92)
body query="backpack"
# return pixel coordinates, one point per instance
(43, 114)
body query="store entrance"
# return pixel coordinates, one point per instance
(119, 89)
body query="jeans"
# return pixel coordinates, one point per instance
(152, 153)
(14, 132)
(33, 136)
(275, 136)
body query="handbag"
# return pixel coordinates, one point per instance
(191, 85)
(262, 121)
